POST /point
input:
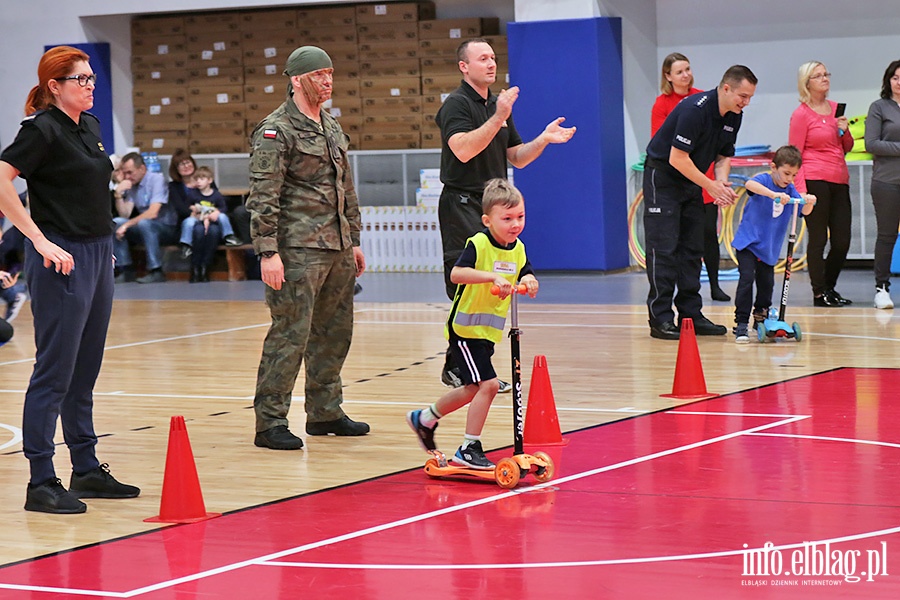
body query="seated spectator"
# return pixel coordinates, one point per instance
(154, 223)
(181, 170)
(208, 223)
(12, 291)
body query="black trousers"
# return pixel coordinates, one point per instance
(673, 233)
(459, 216)
(71, 317)
(752, 271)
(828, 223)
(886, 199)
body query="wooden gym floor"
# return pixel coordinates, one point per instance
(192, 350)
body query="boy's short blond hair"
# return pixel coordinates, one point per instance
(203, 172)
(499, 192)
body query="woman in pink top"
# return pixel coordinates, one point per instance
(676, 84)
(823, 140)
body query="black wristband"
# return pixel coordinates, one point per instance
(267, 254)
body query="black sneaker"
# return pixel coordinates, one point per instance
(278, 438)
(451, 378)
(186, 250)
(504, 388)
(472, 456)
(343, 426)
(52, 497)
(154, 276)
(232, 240)
(125, 276)
(703, 326)
(425, 435)
(741, 334)
(99, 483)
(664, 331)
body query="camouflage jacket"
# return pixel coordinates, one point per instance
(301, 189)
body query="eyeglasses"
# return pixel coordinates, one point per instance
(82, 80)
(820, 76)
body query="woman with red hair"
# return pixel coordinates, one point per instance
(68, 264)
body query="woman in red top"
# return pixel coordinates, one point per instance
(676, 84)
(823, 140)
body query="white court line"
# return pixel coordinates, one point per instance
(829, 439)
(591, 563)
(430, 515)
(16, 436)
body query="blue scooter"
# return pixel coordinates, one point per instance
(775, 326)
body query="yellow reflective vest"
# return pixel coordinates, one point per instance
(476, 313)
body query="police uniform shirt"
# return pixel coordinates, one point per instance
(695, 126)
(67, 171)
(465, 110)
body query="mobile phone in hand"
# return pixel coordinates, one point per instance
(839, 110)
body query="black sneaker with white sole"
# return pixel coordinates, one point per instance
(472, 456)
(425, 434)
(451, 378)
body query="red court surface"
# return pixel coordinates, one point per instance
(674, 504)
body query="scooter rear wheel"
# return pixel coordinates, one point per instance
(544, 473)
(798, 335)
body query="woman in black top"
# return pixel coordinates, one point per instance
(68, 266)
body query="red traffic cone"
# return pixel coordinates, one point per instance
(541, 422)
(689, 382)
(182, 500)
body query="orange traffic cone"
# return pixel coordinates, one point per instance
(541, 422)
(182, 500)
(689, 382)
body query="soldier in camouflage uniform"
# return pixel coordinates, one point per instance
(305, 227)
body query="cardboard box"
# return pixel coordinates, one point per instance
(379, 32)
(369, 51)
(146, 26)
(430, 139)
(345, 88)
(392, 124)
(439, 65)
(270, 94)
(401, 105)
(158, 76)
(444, 84)
(351, 123)
(162, 142)
(158, 45)
(148, 62)
(219, 145)
(225, 112)
(213, 95)
(216, 41)
(458, 29)
(447, 47)
(318, 35)
(206, 58)
(394, 12)
(344, 107)
(269, 54)
(161, 118)
(263, 20)
(207, 22)
(327, 17)
(147, 95)
(389, 86)
(389, 141)
(213, 75)
(398, 67)
(217, 129)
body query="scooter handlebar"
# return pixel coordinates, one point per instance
(791, 200)
(520, 289)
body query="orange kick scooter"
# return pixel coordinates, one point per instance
(510, 470)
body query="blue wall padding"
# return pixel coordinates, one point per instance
(575, 193)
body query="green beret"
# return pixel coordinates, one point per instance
(306, 59)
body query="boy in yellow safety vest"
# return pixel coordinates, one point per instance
(492, 257)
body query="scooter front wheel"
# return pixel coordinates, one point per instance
(507, 474)
(798, 335)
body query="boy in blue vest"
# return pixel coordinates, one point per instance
(492, 257)
(761, 234)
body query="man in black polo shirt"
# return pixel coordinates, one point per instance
(478, 137)
(701, 130)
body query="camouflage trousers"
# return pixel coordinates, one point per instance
(312, 323)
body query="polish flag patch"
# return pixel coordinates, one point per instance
(270, 134)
